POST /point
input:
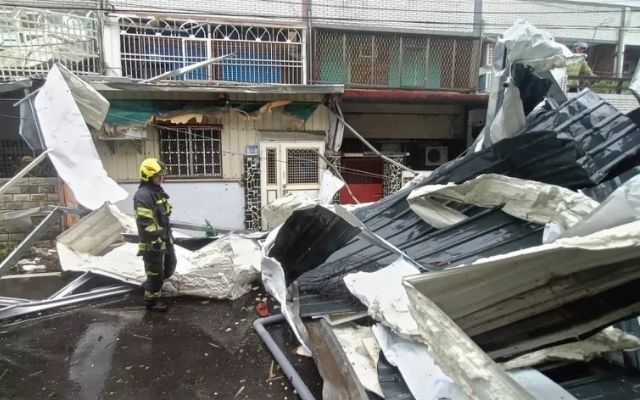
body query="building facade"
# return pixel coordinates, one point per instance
(254, 124)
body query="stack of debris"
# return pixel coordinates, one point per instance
(500, 256)
(96, 259)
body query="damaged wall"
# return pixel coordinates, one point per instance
(28, 193)
(237, 132)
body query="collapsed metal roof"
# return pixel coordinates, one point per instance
(580, 144)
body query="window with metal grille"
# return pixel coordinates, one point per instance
(271, 167)
(302, 166)
(191, 151)
(12, 160)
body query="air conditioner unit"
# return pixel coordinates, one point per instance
(484, 79)
(436, 155)
(488, 54)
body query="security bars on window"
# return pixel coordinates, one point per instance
(271, 167)
(191, 152)
(302, 166)
(151, 47)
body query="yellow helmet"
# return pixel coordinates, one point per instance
(150, 168)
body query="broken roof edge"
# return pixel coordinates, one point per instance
(120, 84)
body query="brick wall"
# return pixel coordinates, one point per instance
(28, 193)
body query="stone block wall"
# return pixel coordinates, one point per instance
(252, 195)
(392, 181)
(25, 194)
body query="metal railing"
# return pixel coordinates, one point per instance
(599, 84)
(150, 47)
(32, 40)
(395, 60)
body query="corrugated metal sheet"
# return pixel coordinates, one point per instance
(578, 145)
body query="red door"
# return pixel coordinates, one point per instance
(364, 177)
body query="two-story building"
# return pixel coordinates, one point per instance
(254, 124)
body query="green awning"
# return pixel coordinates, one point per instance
(127, 112)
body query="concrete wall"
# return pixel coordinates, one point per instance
(393, 121)
(27, 193)
(221, 203)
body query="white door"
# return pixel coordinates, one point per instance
(288, 167)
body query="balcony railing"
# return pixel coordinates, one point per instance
(150, 47)
(599, 84)
(32, 40)
(395, 60)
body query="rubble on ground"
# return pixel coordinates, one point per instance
(521, 253)
(497, 260)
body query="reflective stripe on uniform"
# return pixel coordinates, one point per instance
(145, 212)
(151, 295)
(143, 246)
(153, 228)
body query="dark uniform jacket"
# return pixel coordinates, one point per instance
(152, 210)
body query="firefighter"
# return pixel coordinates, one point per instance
(580, 68)
(155, 243)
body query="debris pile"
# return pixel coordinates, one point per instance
(517, 254)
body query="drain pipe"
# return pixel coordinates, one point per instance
(288, 369)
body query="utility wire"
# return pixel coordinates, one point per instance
(339, 19)
(568, 8)
(182, 131)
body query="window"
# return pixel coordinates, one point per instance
(302, 166)
(192, 151)
(271, 167)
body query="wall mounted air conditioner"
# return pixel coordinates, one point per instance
(436, 155)
(484, 79)
(488, 54)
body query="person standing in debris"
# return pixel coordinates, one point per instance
(155, 243)
(580, 68)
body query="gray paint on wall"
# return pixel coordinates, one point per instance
(221, 203)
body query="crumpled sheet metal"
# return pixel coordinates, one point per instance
(70, 143)
(460, 358)
(522, 301)
(361, 350)
(385, 298)
(610, 339)
(276, 213)
(522, 44)
(225, 268)
(527, 200)
(581, 144)
(621, 207)
(402, 345)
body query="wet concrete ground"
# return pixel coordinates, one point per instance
(198, 350)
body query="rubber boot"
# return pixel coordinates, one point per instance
(156, 306)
